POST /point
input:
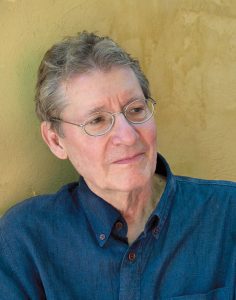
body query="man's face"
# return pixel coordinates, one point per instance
(124, 158)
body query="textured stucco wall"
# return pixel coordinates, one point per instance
(188, 51)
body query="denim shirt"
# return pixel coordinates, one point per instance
(73, 245)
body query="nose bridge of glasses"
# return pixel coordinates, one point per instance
(115, 114)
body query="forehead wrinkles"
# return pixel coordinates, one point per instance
(102, 90)
(102, 81)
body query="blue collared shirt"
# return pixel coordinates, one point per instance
(73, 245)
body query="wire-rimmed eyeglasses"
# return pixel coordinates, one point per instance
(99, 123)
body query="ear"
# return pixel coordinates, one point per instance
(53, 140)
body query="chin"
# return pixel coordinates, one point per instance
(130, 183)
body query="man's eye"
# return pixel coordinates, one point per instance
(98, 120)
(137, 110)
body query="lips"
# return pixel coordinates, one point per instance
(129, 159)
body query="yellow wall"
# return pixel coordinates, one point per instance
(187, 49)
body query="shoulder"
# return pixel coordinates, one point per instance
(205, 190)
(210, 203)
(38, 209)
(218, 193)
(204, 184)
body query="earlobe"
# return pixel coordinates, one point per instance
(53, 140)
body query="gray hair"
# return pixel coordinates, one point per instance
(77, 55)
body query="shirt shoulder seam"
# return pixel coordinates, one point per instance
(199, 181)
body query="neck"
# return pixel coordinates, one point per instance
(137, 213)
(136, 206)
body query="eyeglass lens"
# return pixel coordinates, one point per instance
(136, 112)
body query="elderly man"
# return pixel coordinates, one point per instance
(129, 229)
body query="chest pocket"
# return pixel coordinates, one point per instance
(218, 294)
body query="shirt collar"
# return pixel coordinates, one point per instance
(162, 209)
(102, 216)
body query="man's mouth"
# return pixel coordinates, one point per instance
(130, 159)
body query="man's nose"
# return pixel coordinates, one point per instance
(123, 132)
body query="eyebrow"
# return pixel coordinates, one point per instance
(103, 108)
(95, 109)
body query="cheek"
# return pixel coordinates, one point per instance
(85, 155)
(150, 135)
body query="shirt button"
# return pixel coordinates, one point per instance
(119, 225)
(102, 236)
(155, 230)
(132, 256)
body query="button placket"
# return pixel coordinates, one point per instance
(130, 275)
